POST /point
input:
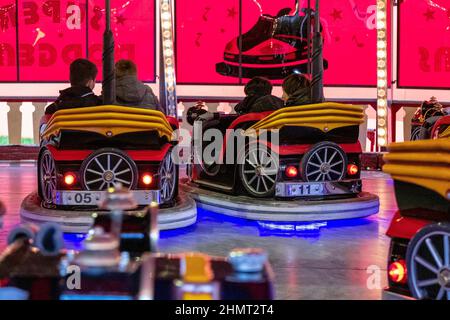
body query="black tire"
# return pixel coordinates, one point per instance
(325, 161)
(420, 261)
(46, 179)
(103, 185)
(168, 175)
(262, 182)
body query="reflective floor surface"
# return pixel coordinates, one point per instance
(334, 260)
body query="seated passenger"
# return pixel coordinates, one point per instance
(296, 90)
(80, 94)
(258, 98)
(132, 92)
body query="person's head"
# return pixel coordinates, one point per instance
(83, 73)
(125, 68)
(293, 83)
(258, 86)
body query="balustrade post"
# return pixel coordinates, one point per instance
(14, 123)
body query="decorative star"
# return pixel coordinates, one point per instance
(120, 20)
(232, 13)
(336, 14)
(429, 14)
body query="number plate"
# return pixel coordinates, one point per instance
(314, 189)
(81, 198)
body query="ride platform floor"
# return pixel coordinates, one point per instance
(339, 260)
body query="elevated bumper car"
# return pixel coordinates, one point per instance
(86, 151)
(307, 155)
(419, 257)
(274, 47)
(119, 261)
(425, 118)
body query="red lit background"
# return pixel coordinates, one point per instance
(205, 27)
(46, 39)
(424, 45)
(50, 37)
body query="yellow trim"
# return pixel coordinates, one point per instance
(323, 116)
(437, 145)
(197, 268)
(424, 163)
(446, 133)
(440, 187)
(197, 296)
(108, 121)
(408, 157)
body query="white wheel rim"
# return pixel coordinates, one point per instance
(325, 164)
(48, 177)
(259, 171)
(430, 267)
(107, 170)
(167, 174)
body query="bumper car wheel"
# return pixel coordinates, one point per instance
(325, 161)
(106, 168)
(47, 178)
(258, 171)
(168, 182)
(428, 263)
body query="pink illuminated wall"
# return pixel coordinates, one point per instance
(205, 27)
(133, 25)
(424, 45)
(8, 66)
(53, 33)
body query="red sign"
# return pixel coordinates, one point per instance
(206, 28)
(53, 33)
(424, 44)
(8, 67)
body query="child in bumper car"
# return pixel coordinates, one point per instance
(82, 81)
(132, 92)
(296, 90)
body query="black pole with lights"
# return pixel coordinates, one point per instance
(317, 60)
(109, 81)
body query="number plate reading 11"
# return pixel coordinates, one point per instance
(312, 189)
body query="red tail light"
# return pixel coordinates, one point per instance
(397, 271)
(147, 179)
(291, 171)
(69, 178)
(352, 169)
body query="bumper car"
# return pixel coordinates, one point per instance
(119, 261)
(441, 128)
(274, 47)
(425, 118)
(85, 151)
(317, 154)
(419, 256)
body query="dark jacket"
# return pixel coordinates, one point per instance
(74, 97)
(299, 98)
(132, 92)
(257, 103)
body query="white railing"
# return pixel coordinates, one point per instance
(19, 121)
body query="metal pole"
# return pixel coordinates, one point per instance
(317, 60)
(109, 80)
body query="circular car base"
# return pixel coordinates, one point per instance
(364, 205)
(183, 214)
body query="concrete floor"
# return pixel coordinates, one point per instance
(329, 263)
